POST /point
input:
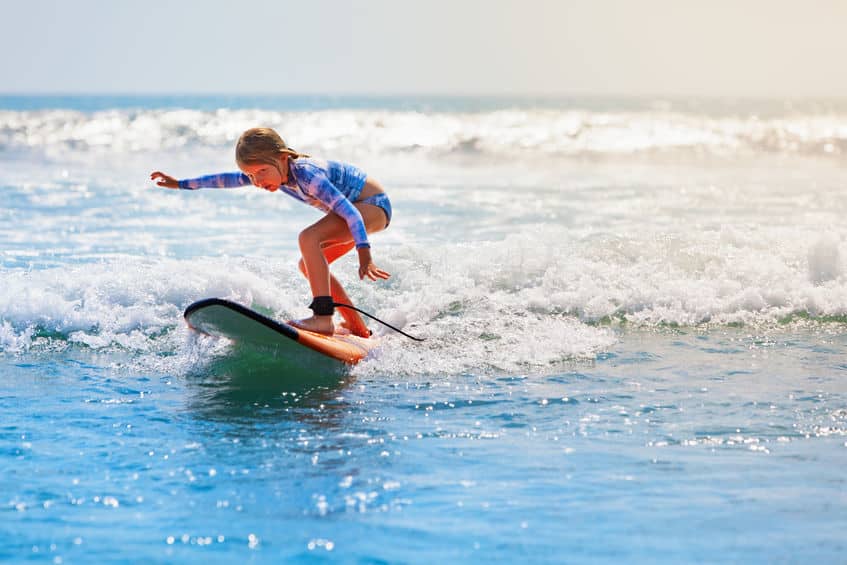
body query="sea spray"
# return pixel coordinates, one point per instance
(825, 260)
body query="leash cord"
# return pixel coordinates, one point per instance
(339, 305)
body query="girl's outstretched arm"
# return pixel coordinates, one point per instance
(164, 180)
(221, 180)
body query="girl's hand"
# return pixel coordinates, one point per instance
(164, 180)
(367, 267)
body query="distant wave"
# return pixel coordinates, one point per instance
(549, 132)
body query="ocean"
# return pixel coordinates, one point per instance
(634, 312)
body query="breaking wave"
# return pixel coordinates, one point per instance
(550, 132)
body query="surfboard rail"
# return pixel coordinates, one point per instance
(223, 318)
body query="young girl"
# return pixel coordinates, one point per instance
(356, 205)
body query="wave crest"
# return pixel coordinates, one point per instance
(562, 133)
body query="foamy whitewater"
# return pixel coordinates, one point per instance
(614, 290)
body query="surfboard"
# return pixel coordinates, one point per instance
(223, 318)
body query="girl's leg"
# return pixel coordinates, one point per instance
(330, 229)
(353, 320)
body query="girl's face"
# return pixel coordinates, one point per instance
(266, 175)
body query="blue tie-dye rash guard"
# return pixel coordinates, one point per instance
(330, 186)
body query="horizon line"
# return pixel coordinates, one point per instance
(454, 95)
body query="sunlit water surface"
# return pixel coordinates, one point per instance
(634, 315)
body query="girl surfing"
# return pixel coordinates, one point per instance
(355, 206)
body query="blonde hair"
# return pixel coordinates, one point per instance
(262, 145)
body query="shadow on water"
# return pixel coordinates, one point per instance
(255, 384)
(254, 408)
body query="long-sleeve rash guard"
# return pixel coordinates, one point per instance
(330, 186)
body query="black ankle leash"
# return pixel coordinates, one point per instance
(324, 306)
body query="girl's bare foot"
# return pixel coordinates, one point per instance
(318, 324)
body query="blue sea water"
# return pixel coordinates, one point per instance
(635, 314)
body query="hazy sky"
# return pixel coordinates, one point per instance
(605, 47)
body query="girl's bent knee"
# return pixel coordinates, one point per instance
(306, 238)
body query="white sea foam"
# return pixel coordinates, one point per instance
(136, 305)
(519, 304)
(825, 260)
